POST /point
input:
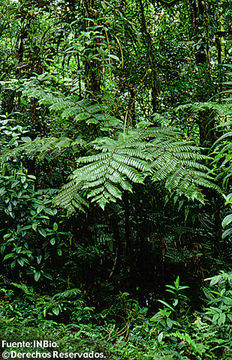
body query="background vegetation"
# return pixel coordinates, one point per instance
(115, 179)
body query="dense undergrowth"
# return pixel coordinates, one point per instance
(125, 330)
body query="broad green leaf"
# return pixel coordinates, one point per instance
(227, 220)
(37, 275)
(166, 304)
(55, 226)
(42, 232)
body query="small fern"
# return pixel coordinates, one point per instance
(196, 347)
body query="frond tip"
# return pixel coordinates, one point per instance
(70, 198)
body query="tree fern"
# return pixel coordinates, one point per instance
(116, 164)
(105, 175)
(89, 111)
(71, 198)
(46, 147)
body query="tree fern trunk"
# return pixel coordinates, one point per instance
(127, 243)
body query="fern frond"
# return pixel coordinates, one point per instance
(161, 155)
(179, 164)
(70, 198)
(197, 347)
(49, 147)
(86, 110)
(107, 174)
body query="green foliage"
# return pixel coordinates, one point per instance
(222, 153)
(42, 148)
(195, 336)
(34, 212)
(117, 104)
(67, 107)
(167, 318)
(133, 157)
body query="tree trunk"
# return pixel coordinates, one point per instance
(92, 66)
(151, 57)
